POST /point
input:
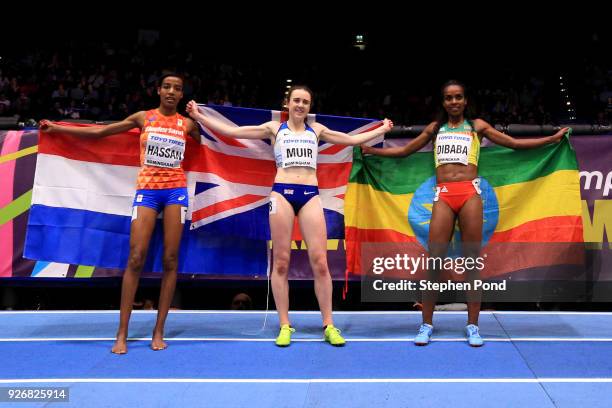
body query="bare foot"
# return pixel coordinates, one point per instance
(157, 343)
(120, 346)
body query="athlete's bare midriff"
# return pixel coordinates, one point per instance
(456, 172)
(297, 175)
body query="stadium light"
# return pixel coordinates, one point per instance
(359, 42)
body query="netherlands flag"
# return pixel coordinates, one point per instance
(81, 211)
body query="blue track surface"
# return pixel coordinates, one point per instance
(216, 359)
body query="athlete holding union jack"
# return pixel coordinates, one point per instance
(295, 193)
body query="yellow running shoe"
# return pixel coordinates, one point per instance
(284, 336)
(333, 337)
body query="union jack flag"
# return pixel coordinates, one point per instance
(233, 186)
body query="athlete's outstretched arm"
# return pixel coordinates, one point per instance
(194, 130)
(135, 120)
(263, 131)
(341, 138)
(503, 139)
(401, 151)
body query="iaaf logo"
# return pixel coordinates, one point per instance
(598, 176)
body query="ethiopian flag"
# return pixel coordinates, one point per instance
(532, 214)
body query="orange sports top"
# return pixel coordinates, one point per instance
(162, 148)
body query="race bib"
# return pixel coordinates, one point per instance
(272, 205)
(297, 152)
(164, 151)
(453, 148)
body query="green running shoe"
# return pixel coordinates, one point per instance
(284, 336)
(333, 337)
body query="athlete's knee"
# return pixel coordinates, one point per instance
(170, 261)
(471, 248)
(136, 259)
(318, 262)
(281, 265)
(474, 274)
